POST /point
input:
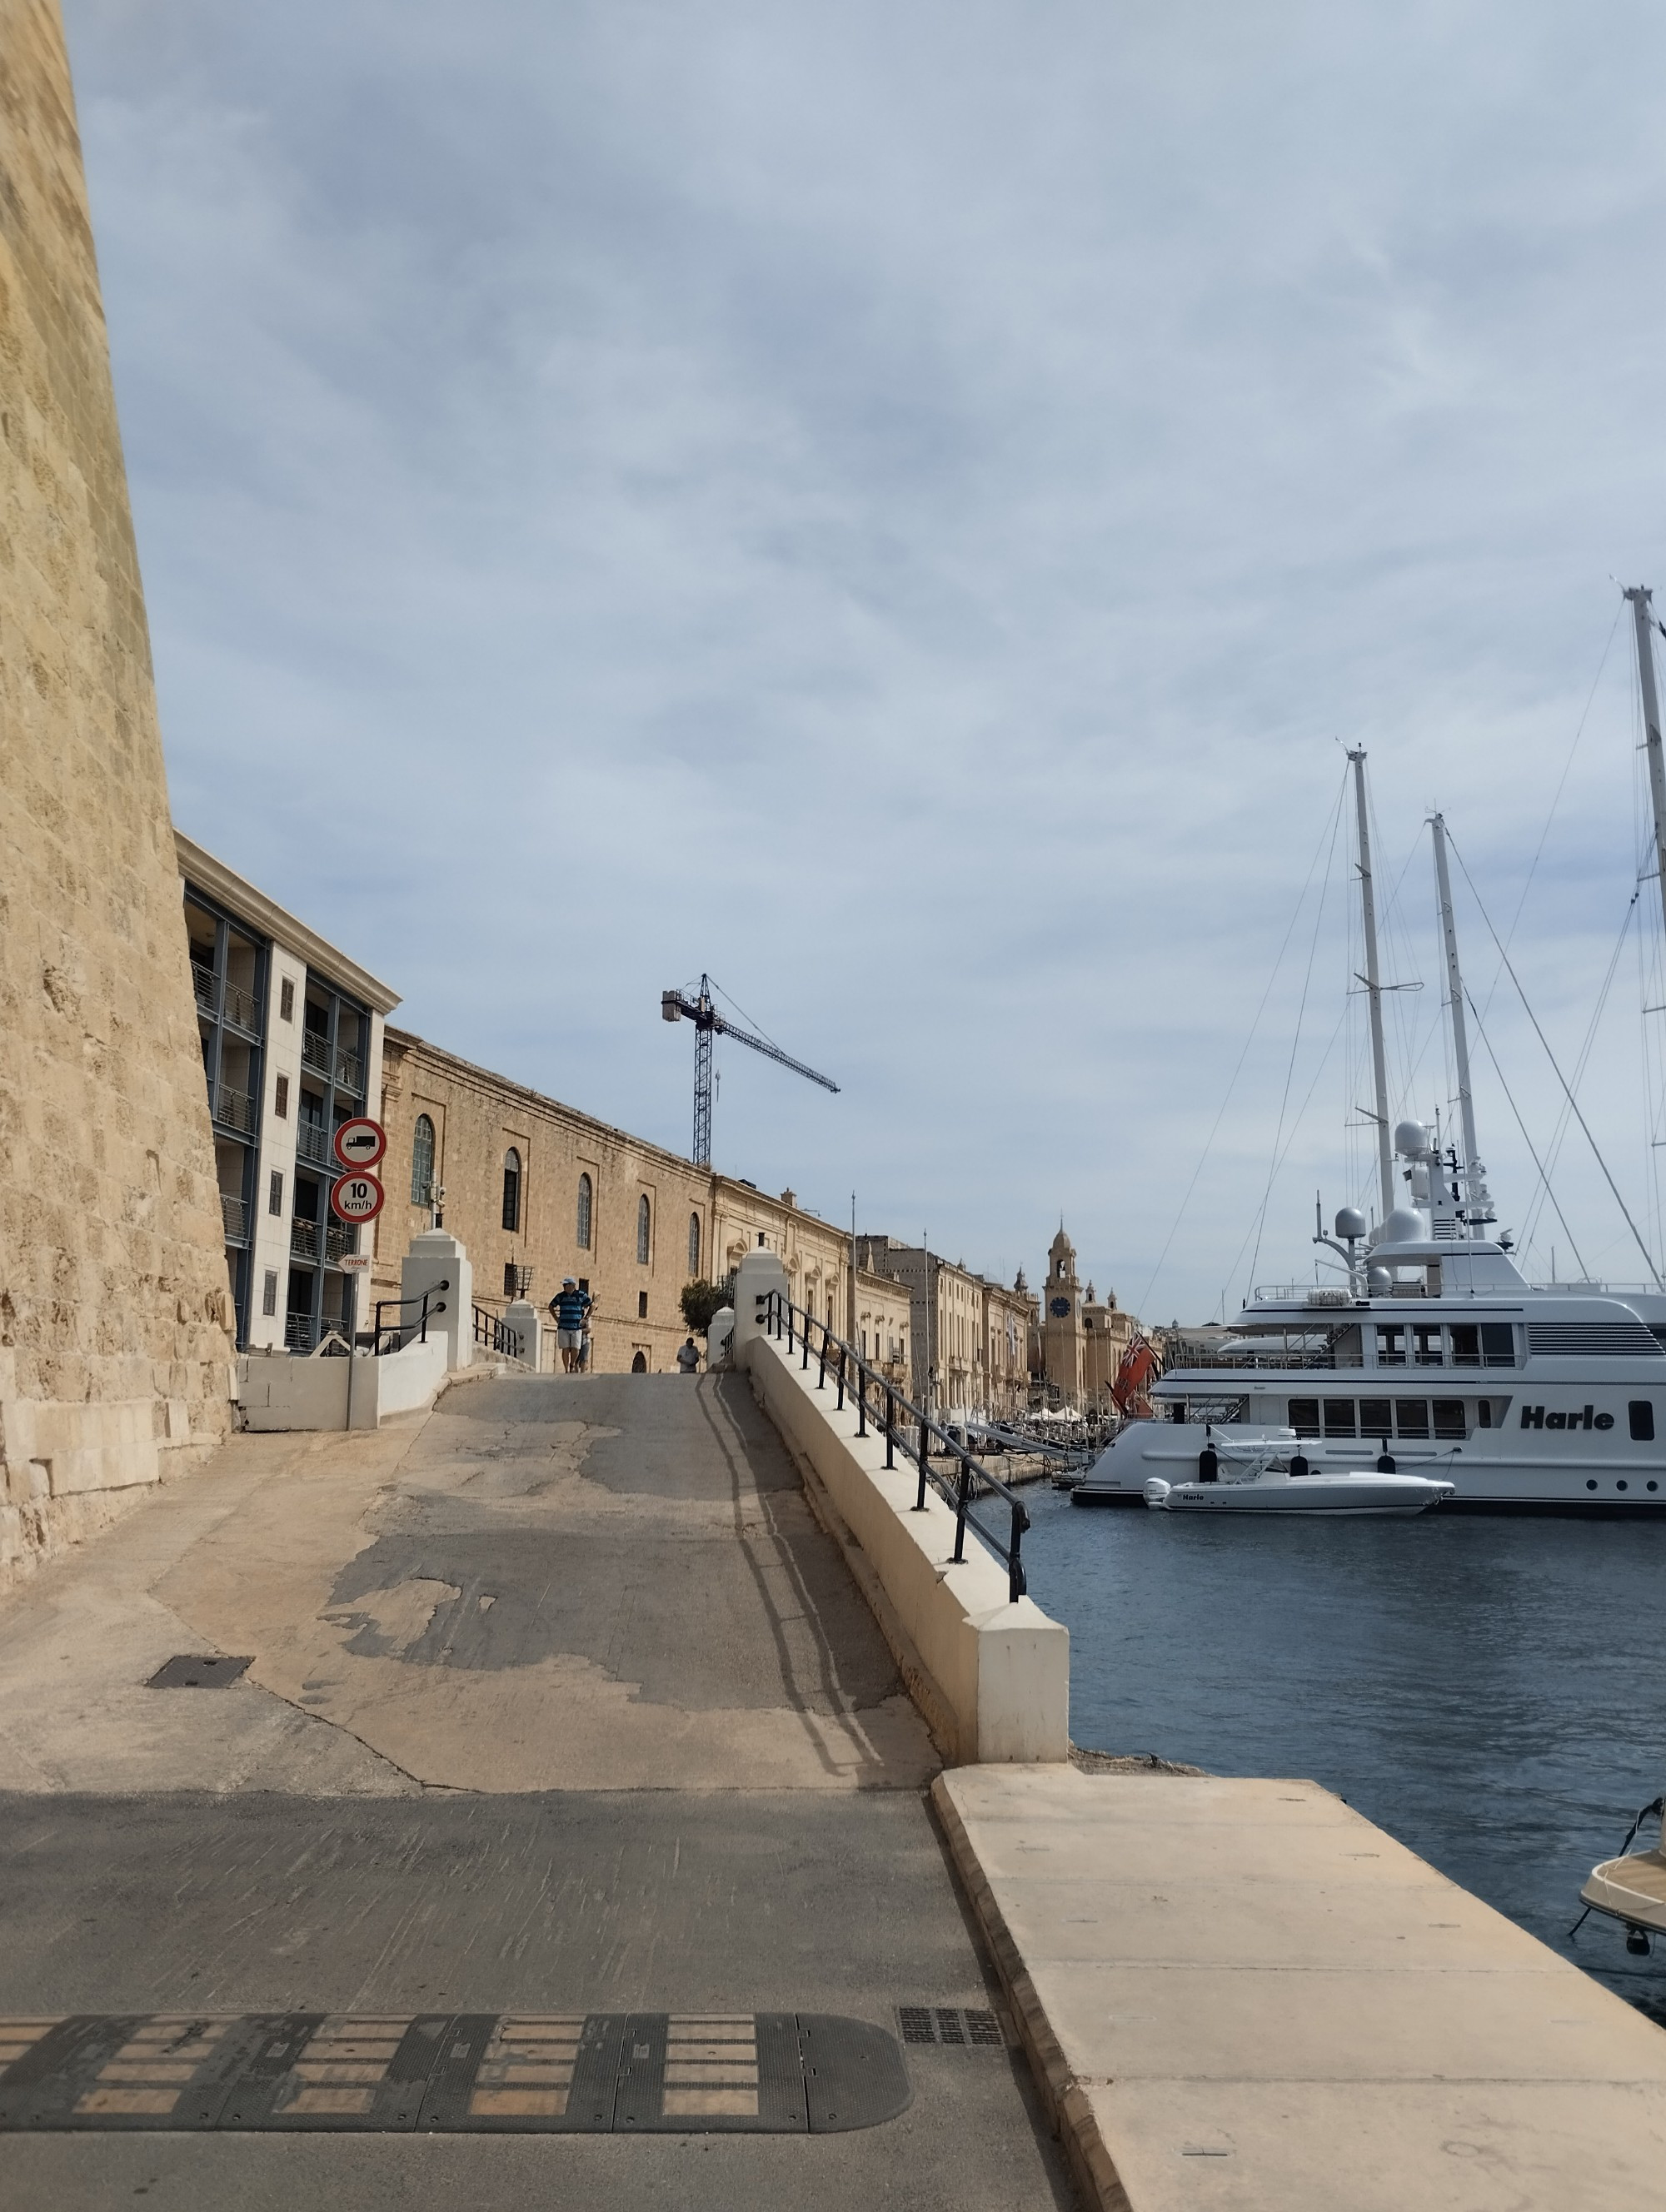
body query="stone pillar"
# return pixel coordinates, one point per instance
(523, 1317)
(436, 1257)
(759, 1274)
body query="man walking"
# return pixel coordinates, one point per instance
(571, 1308)
(688, 1359)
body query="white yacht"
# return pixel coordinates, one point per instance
(1433, 1354)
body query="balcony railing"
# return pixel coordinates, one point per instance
(233, 1109)
(343, 1068)
(205, 984)
(238, 1005)
(298, 1332)
(305, 1241)
(234, 1214)
(339, 1238)
(312, 1143)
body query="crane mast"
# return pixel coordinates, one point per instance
(675, 1006)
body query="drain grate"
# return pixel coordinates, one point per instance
(952, 2024)
(451, 2073)
(189, 1672)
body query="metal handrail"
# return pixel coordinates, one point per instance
(395, 1330)
(493, 1331)
(973, 1480)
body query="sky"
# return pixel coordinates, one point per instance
(904, 509)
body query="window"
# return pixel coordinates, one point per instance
(421, 1161)
(1339, 1417)
(639, 1363)
(274, 1192)
(1643, 1420)
(1375, 1417)
(585, 1197)
(694, 1246)
(280, 1099)
(644, 1229)
(641, 1305)
(512, 1188)
(286, 1003)
(1448, 1419)
(1498, 1344)
(1427, 1339)
(1304, 1416)
(269, 1292)
(1411, 1416)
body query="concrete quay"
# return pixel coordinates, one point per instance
(1240, 1996)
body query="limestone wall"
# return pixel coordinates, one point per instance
(115, 1355)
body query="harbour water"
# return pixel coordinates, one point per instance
(1488, 1689)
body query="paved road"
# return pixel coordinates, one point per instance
(559, 1700)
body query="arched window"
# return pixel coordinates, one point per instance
(644, 1229)
(639, 1364)
(512, 1188)
(422, 1163)
(694, 1246)
(585, 1196)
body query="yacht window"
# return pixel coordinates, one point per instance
(1643, 1420)
(1427, 1349)
(1466, 1345)
(1339, 1417)
(1345, 1348)
(1376, 1417)
(1449, 1418)
(1391, 1346)
(1411, 1415)
(1304, 1416)
(1498, 1344)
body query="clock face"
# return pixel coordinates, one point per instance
(1059, 1308)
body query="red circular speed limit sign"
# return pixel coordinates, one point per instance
(361, 1142)
(357, 1198)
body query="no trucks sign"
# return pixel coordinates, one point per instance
(361, 1142)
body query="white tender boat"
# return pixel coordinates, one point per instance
(1631, 1888)
(1268, 1472)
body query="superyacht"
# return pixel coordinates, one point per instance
(1433, 1354)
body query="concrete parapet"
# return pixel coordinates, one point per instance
(436, 1257)
(992, 1677)
(1241, 1993)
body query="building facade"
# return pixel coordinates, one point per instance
(1083, 1337)
(970, 1337)
(291, 1035)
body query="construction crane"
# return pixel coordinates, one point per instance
(708, 1024)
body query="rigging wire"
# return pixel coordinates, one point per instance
(1327, 839)
(1481, 1029)
(1572, 1103)
(1553, 1149)
(1295, 1131)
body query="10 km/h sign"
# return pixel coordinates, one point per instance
(356, 1198)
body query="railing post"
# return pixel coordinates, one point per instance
(821, 1379)
(963, 1499)
(840, 1406)
(803, 1339)
(1017, 1583)
(920, 1502)
(891, 1427)
(861, 1399)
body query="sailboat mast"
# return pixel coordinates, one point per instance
(1478, 1205)
(1643, 618)
(1374, 992)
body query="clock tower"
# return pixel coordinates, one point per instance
(1062, 1322)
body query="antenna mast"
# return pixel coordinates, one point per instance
(1477, 1201)
(1374, 994)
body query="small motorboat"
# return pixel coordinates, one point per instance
(1275, 1480)
(1631, 1888)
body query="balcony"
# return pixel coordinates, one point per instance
(234, 1215)
(239, 1006)
(312, 1143)
(343, 1068)
(297, 1332)
(206, 984)
(233, 1109)
(305, 1241)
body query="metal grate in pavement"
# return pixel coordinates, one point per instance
(456, 2073)
(189, 1672)
(956, 2026)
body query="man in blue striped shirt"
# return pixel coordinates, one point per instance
(571, 1308)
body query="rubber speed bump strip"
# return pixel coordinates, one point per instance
(451, 2073)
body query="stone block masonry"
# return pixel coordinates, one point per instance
(114, 1351)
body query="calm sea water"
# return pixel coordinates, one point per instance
(1488, 1690)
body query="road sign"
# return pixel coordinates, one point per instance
(361, 1142)
(356, 1198)
(354, 1263)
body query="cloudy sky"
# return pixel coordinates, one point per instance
(903, 506)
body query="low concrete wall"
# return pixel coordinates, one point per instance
(399, 1383)
(992, 1678)
(286, 1390)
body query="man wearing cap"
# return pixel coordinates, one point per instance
(571, 1308)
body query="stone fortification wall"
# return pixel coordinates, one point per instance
(115, 1355)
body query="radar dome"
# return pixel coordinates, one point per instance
(1405, 1225)
(1350, 1222)
(1377, 1279)
(1411, 1140)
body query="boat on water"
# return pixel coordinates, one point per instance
(1631, 1888)
(1271, 1475)
(1433, 1347)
